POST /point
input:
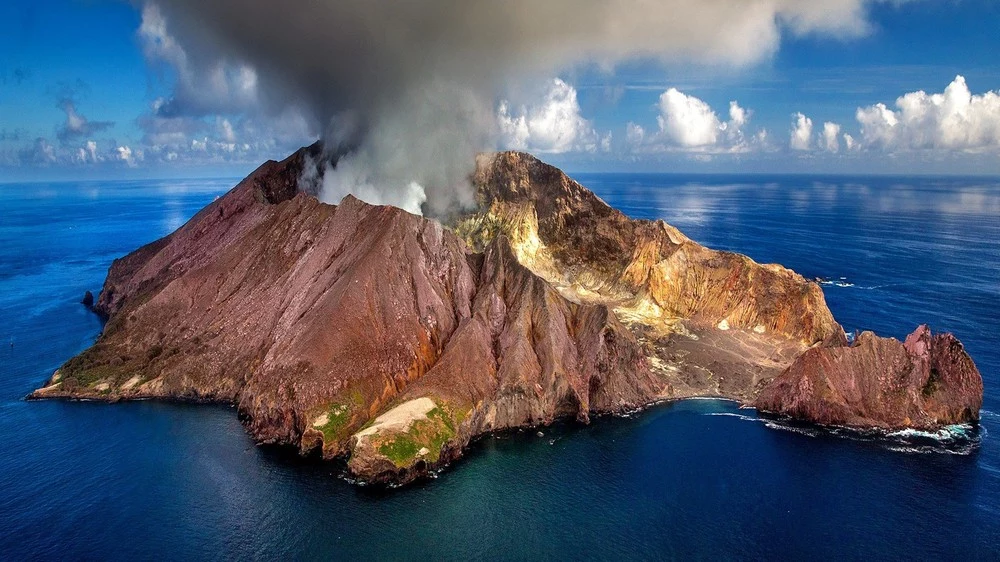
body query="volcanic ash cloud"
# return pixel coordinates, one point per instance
(408, 89)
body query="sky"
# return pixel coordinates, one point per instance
(106, 89)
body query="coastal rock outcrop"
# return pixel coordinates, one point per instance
(368, 333)
(924, 382)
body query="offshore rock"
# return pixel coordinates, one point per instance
(924, 382)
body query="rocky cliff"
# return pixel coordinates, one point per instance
(923, 382)
(369, 333)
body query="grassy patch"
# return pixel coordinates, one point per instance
(403, 449)
(338, 417)
(88, 368)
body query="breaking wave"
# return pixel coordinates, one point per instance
(734, 415)
(844, 283)
(959, 439)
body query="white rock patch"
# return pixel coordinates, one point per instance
(399, 418)
(131, 382)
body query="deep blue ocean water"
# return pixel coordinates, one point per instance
(696, 479)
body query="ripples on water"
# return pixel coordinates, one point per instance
(698, 478)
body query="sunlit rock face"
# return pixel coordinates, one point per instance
(367, 332)
(712, 323)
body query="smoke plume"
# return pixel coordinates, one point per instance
(408, 89)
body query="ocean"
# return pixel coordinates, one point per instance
(699, 479)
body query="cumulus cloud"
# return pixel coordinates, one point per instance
(606, 142)
(954, 120)
(76, 125)
(552, 125)
(226, 132)
(801, 133)
(830, 137)
(687, 120)
(849, 142)
(634, 134)
(41, 152)
(362, 71)
(88, 153)
(128, 156)
(687, 123)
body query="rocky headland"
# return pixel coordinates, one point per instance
(392, 340)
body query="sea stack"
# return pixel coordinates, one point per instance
(924, 382)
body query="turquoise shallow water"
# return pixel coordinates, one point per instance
(696, 479)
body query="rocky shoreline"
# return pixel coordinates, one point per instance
(392, 341)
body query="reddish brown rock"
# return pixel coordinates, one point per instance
(318, 319)
(368, 332)
(925, 382)
(593, 252)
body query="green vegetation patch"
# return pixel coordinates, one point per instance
(88, 368)
(403, 449)
(338, 418)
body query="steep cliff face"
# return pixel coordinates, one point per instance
(367, 332)
(713, 323)
(318, 319)
(923, 382)
(593, 252)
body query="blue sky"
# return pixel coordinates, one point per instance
(79, 91)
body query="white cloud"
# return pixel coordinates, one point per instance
(955, 120)
(801, 134)
(77, 125)
(849, 142)
(687, 123)
(830, 137)
(128, 156)
(606, 142)
(91, 148)
(39, 153)
(686, 120)
(738, 116)
(226, 132)
(553, 125)
(634, 134)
